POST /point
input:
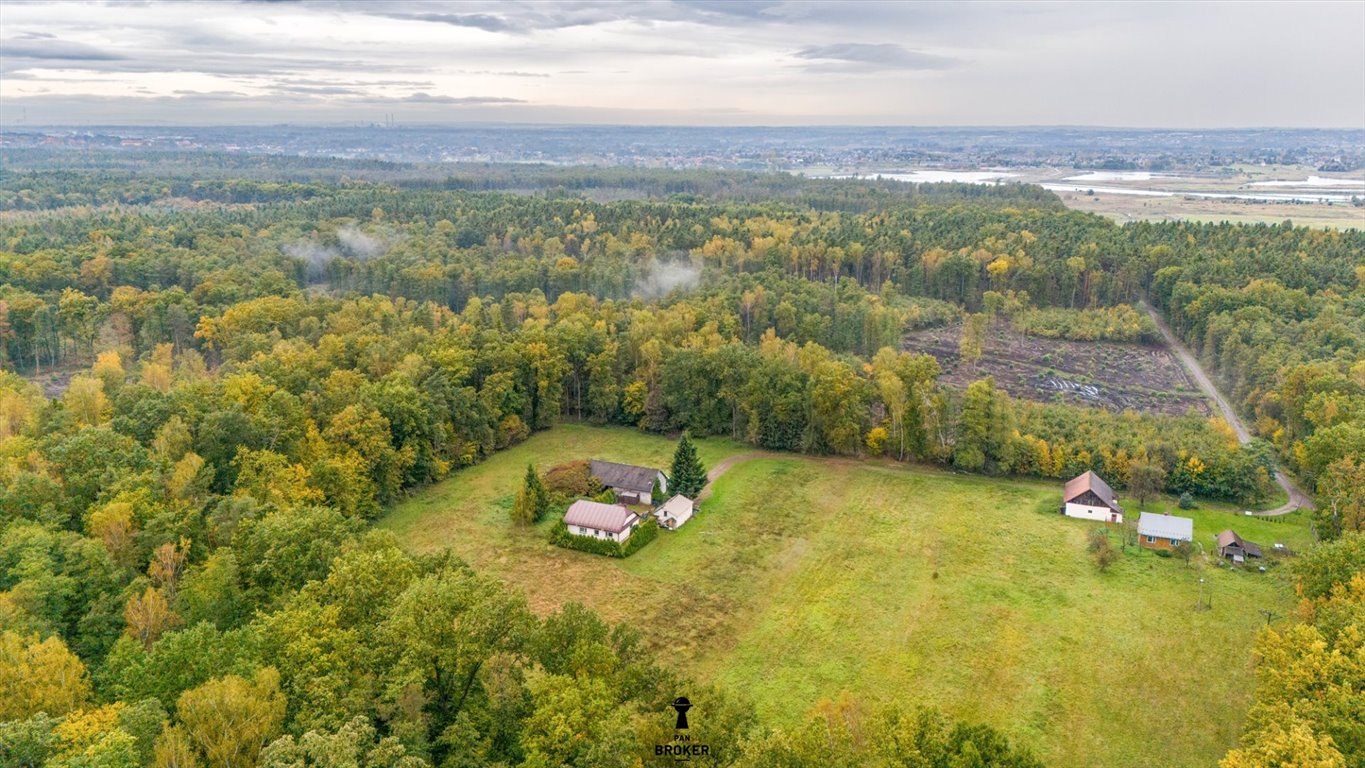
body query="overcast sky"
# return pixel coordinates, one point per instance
(709, 62)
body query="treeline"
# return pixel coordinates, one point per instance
(1310, 683)
(1279, 313)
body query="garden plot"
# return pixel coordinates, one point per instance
(1110, 375)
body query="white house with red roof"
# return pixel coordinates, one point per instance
(600, 521)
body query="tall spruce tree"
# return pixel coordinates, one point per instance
(533, 499)
(687, 475)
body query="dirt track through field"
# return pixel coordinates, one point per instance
(724, 465)
(1297, 498)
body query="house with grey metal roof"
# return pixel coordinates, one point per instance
(1164, 531)
(631, 484)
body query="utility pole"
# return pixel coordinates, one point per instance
(1268, 616)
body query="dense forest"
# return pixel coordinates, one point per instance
(252, 363)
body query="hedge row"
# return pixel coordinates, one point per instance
(560, 537)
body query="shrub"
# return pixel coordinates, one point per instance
(645, 533)
(1186, 501)
(572, 478)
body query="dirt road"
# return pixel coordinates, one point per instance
(1297, 498)
(724, 464)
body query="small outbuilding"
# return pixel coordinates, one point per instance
(631, 484)
(1236, 548)
(674, 512)
(1164, 531)
(1088, 497)
(600, 521)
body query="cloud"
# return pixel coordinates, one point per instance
(48, 48)
(870, 57)
(427, 98)
(486, 22)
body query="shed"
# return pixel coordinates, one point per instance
(1236, 548)
(674, 512)
(600, 521)
(1088, 497)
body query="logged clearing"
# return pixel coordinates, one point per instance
(1101, 374)
(803, 578)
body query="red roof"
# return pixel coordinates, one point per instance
(1089, 481)
(613, 518)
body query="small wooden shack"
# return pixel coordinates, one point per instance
(1236, 548)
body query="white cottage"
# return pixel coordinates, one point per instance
(600, 521)
(1088, 497)
(674, 512)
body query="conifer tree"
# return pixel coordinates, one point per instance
(533, 499)
(687, 476)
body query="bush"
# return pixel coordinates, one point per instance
(572, 478)
(1186, 501)
(645, 533)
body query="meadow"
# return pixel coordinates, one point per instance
(806, 578)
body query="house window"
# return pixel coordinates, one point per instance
(1151, 539)
(1175, 542)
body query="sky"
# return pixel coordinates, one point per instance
(685, 62)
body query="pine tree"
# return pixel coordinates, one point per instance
(687, 476)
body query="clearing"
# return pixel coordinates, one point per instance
(1104, 374)
(803, 578)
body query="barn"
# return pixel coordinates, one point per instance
(1236, 548)
(600, 521)
(1088, 497)
(631, 484)
(1164, 531)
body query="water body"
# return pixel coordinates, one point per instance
(1314, 181)
(1268, 197)
(1116, 176)
(992, 177)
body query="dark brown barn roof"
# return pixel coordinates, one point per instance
(627, 476)
(1089, 481)
(1229, 538)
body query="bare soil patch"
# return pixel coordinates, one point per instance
(1102, 374)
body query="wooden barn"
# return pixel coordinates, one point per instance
(632, 484)
(1236, 548)
(1088, 497)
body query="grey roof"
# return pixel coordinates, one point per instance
(676, 505)
(603, 517)
(1165, 526)
(627, 476)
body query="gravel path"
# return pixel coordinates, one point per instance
(1297, 498)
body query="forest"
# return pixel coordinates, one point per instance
(245, 367)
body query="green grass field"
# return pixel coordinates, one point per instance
(806, 578)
